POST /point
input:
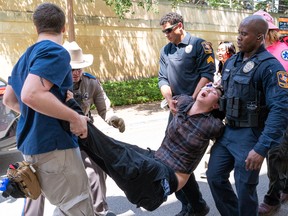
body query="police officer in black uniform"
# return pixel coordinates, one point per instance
(255, 101)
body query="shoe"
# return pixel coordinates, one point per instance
(109, 213)
(267, 210)
(204, 211)
(203, 175)
(182, 213)
(283, 198)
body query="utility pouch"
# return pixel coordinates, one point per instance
(22, 176)
(222, 104)
(253, 114)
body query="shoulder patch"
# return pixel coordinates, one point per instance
(89, 75)
(282, 79)
(284, 55)
(210, 59)
(207, 47)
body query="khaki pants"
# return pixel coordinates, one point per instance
(63, 181)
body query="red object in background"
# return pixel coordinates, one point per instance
(2, 90)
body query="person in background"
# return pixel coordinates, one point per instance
(186, 65)
(279, 49)
(224, 51)
(275, 44)
(87, 91)
(254, 101)
(37, 89)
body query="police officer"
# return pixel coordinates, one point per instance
(87, 91)
(186, 65)
(278, 48)
(255, 102)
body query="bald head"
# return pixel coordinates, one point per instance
(258, 24)
(251, 34)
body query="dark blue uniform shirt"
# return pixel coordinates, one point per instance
(182, 66)
(260, 78)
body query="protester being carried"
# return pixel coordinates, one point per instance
(147, 177)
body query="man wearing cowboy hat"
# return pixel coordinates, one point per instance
(87, 90)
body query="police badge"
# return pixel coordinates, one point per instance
(248, 67)
(188, 48)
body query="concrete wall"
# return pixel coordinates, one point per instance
(122, 49)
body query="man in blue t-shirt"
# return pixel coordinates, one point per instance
(37, 89)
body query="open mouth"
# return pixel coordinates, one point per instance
(204, 94)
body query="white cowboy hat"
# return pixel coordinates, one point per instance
(78, 59)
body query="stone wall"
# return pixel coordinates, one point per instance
(122, 49)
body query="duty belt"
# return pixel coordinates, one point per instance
(233, 123)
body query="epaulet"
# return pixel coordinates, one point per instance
(265, 55)
(89, 75)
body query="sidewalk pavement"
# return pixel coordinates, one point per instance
(145, 126)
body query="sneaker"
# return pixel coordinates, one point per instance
(182, 213)
(284, 198)
(109, 213)
(267, 210)
(203, 212)
(203, 175)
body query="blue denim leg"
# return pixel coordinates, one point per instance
(228, 152)
(191, 196)
(221, 163)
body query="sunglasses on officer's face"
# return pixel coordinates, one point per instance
(169, 29)
(76, 70)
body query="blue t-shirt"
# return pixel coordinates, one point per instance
(38, 133)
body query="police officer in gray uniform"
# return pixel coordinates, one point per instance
(255, 102)
(87, 91)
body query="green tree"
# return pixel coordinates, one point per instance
(121, 7)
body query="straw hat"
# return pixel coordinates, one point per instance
(268, 18)
(78, 59)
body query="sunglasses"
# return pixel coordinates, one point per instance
(76, 70)
(169, 29)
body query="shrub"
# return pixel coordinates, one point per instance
(133, 91)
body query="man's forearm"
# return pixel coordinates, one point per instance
(46, 103)
(10, 99)
(166, 92)
(202, 82)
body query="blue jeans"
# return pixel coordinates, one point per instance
(191, 197)
(228, 153)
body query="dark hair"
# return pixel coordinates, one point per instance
(172, 18)
(230, 49)
(48, 17)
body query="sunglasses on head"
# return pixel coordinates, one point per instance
(169, 29)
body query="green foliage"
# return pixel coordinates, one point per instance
(133, 91)
(122, 7)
